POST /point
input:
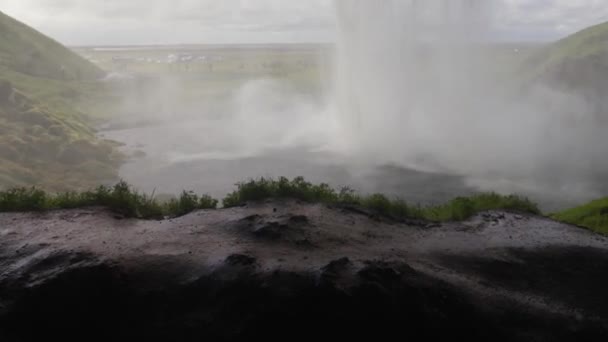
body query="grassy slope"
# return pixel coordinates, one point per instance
(458, 209)
(45, 139)
(120, 198)
(592, 41)
(124, 200)
(570, 59)
(593, 215)
(27, 51)
(587, 53)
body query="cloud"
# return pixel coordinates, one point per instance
(214, 13)
(551, 19)
(200, 21)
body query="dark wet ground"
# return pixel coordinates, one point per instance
(278, 270)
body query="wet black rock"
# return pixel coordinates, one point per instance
(224, 283)
(287, 228)
(240, 259)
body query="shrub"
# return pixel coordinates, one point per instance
(348, 196)
(23, 199)
(120, 198)
(378, 203)
(207, 202)
(124, 200)
(461, 208)
(265, 188)
(189, 202)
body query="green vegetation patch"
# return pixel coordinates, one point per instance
(575, 54)
(124, 200)
(463, 208)
(46, 134)
(30, 52)
(456, 210)
(120, 198)
(593, 216)
(56, 152)
(590, 41)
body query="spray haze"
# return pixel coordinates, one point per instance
(418, 84)
(420, 87)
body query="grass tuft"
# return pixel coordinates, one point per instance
(593, 215)
(189, 202)
(458, 209)
(23, 200)
(463, 208)
(120, 198)
(124, 200)
(265, 188)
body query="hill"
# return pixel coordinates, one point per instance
(589, 43)
(593, 215)
(576, 63)
(45, 138)
(28, 51)
(579, 64)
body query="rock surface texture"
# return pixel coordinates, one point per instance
(292, 271)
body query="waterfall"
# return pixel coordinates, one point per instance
(405, 69)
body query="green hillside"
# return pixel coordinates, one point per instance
(588, 43)
(27, 51)
(593, 215)
(45, 137)
(579, 61)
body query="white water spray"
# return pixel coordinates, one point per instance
(404, 68)
(417, 83)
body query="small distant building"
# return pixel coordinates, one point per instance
(172, 59)
(180, 58)
(122, 62)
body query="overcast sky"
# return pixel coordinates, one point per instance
(114, 22)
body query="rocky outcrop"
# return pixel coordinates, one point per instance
(293, 271)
